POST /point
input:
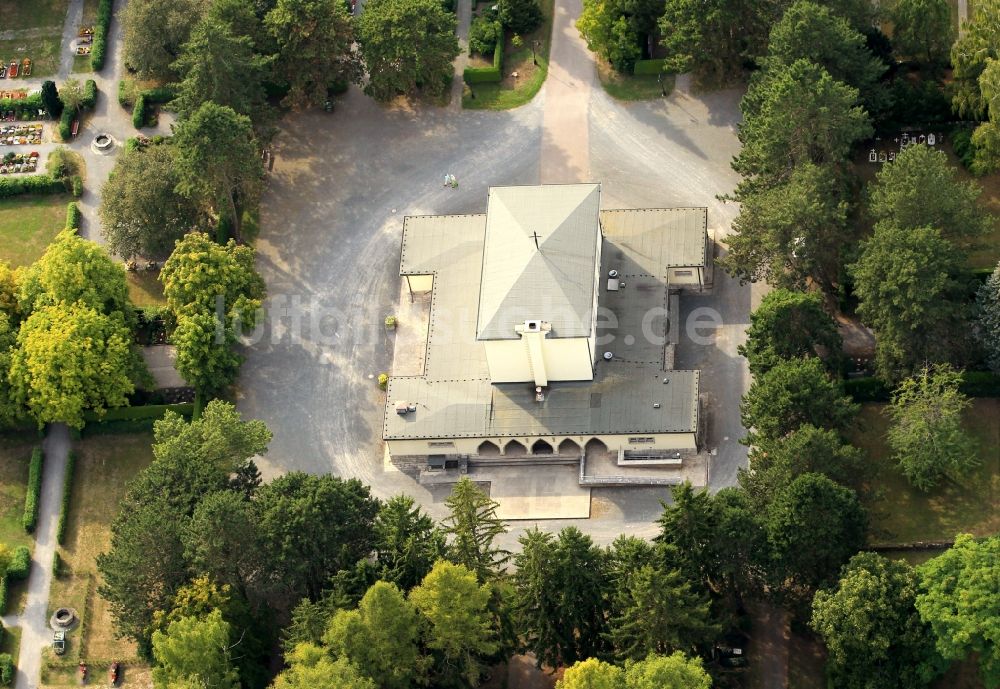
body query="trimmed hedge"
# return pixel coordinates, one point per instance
(6, 669)
(3, 595)
(20, 564)
(73, 216)
(67, 492)
(487, 75)
(139, 113)
(89, 95)
(132, 419)
(123, 94)
(66, 124)
(32, 184)
(99, 47)
(30, 518)
(162, 94)
(30, 105)
(76, 185)
(974, 384)
(647, 67)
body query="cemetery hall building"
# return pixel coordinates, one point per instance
(548, 329)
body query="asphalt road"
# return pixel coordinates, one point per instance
(329, 252)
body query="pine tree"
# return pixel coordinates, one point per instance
(472, 527)
(535, 602)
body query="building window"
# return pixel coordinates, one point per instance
(683, 273)
(640, 441)
(442, 443)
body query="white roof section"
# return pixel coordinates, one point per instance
(552, 281)
(655, 239)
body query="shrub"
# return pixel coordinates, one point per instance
(647, 67)
(162, 94)
(99, 47)
(32, 184)
(383, 380)
(520, 16)
(89, 95)
(73, 216)
(20, 564)
(60, 164)
(483, 35)
(6, 669)
(57, 564)
(66, 124)
(66, 493)
(140, 112)
(50, 98)
(980, 384)
(125, 93)
(3, 595)
(76, 185)
(30, 518)
(961, 142)
(487, 75)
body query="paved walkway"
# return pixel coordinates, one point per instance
(463, 11)
(565, 155)
(34, 620)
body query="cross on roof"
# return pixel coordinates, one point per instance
(536, 237)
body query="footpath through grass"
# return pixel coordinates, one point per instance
(105, 463)
(514, 92)
(902, 514)
(28, 224)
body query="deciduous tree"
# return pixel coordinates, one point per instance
(407, 46)
(311, 527)
(961, 601)
(871, 629)
(454, 607)
(519, 16)
(315, 48)
(71, 359)
(141, 212)
(380, 638)
(675, 671)
(592, 674)
(200, 271)
(218, 162)
(794, 393)
(908, 294)
(194, 648)
(813, 526)
(926, 435)
(155, 30)
(923, 29)
(311, 667)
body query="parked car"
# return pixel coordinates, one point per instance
(59, 642)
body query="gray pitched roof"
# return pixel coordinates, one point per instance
(552, 282)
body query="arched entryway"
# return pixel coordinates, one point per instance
(488, 448)
(541, 447)
(569, 448)
(515, 449)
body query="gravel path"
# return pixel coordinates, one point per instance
(34, 619)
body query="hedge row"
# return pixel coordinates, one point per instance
(139, 112)
(67, 491)
(73, 216)
(66, 124)
(99, 47)
(30, 518)
(3, 595)
(647, 67)
(31, 184)
(132, 419)
(31, 105)
(20, 564)
(974, 384)
(89, 95)
(6, 669)
(162, 94)
(487, 75)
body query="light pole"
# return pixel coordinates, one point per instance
(659, 78)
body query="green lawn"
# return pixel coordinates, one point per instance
(104, 465)
(38, 29)
(145, 288)
(28, 224)
(901, 513)
(513, 91)
(628, 87)
(15, 451)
